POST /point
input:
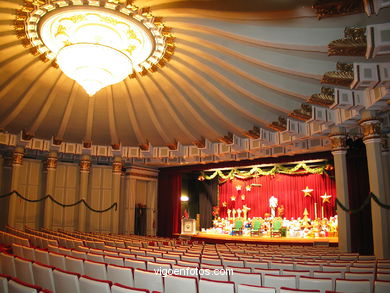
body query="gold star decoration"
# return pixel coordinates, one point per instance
(307, 191)
(248, 188)
(233, 197)
(243, 196)
(238, 187)
(325, 198)
(224, 204)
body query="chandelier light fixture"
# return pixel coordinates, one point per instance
(95, 42)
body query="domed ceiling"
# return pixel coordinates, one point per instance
(236, 80)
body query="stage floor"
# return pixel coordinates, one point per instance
(221, 238)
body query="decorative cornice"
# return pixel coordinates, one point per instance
(201, 144)
(343, 76)
(325, 98)
(141, 175)
(253, 133)
(280, 125)
(227, 139)
(354, 43)
(303, 114)
(329, 8)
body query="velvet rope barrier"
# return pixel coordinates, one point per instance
(365, 203)
(81, 201)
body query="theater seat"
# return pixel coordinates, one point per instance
(179, 284)
(206, 286)
(122, 275)
(66, 282)
(91, 285)
(18, 286)
(43, 276)
(119, 288)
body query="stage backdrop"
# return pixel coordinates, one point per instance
(286, 188)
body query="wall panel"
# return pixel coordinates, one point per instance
(100, 198)
(29, 185)
(66, 191)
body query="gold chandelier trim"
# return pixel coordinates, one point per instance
(28, 18)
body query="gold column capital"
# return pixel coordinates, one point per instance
(51, 161)
(17, 156)
(117, 165)
(338, 139)
(371, 128)
(85, 164)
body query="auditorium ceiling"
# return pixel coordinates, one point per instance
(238, 80)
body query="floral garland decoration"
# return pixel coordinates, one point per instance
(300, 168)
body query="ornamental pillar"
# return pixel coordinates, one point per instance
(17, 161)
(338, 139)
(85, 167)
(371, 128)
(51, 169)
(386, 165)
(116, 189)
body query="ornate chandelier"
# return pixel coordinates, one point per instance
(96, 43)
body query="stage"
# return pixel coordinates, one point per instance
(221, 238)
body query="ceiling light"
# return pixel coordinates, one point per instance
(96, 43)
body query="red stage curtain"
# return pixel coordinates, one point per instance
(286, 188)
(169, 192)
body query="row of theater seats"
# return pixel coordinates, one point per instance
(114, 271)
(99, 240)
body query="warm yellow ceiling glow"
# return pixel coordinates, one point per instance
(96, 43)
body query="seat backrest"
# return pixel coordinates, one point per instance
(289, 290)
(381, 286)
(239, 269)
(233, 263)
(309, 283)
(65, 282)
(17, 250)
(74, 264)
(178, 284)
(263, 272)
(95, 270)
(28, 253)
(120, 288)
(122, 275)
(24, 271)
(7, 262)
(245, 278)
(308, 267)
(155, 267)
(361, 276)
(91, 285)
(148, 280)
(95, 257)
(43, 276)
(383, 276)
(42, 256)
(206, 286)
(256, 264)
(331, 275)
(278, 281)
(57, 260)
(243, 288)
(18, 286)
(115, 260)
(135, 264)
(343, 285)
(3, 283)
